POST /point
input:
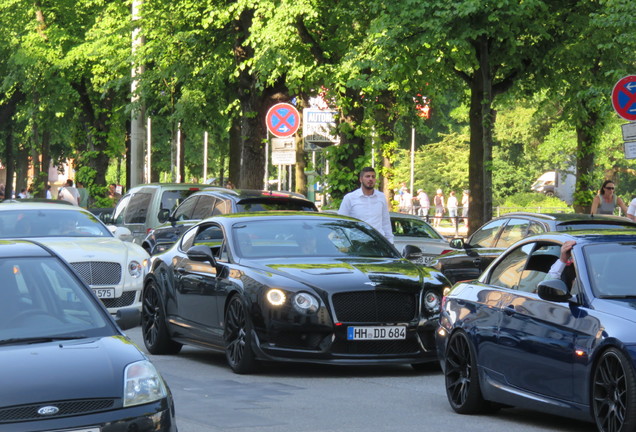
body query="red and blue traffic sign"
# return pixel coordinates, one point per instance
(282, 120)
(624, 97)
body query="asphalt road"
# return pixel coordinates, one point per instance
(316, 398)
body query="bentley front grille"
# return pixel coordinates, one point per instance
(380, 306)
(97, 273)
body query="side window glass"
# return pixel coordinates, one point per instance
(538, 266)
(204, 207)
(118, 213)
(211, 236)
(185, 210)
(221, 207)
(137, 208)
(508, 271)
(188, 239)
(535, 228)
(486, 235)
(515, 230)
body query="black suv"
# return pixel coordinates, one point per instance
(213, 202)
(489, 241)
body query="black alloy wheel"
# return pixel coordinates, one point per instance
(237, 337)
(614, 393)
(153, 324)
(461, 376)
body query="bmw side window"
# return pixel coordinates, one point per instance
(515, 230)
(485, 237)
(535, 228)
(204, 207)
(508, 271)
(221, 207)
(538, 266)
(186, 209)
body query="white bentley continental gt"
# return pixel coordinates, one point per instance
(112, 267)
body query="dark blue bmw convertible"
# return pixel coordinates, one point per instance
(564, 344)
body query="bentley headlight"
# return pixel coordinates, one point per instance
(142, 384)
(305, 303)
(431, 301)
(276, 297)
(135, 269)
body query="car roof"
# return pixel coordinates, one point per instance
(588, 236)
(174, 186)
(240, 194)
(38, 205)
(22, 248)
(283, 214)
(570, 217)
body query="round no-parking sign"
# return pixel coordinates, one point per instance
(624, 97)
(283, 120)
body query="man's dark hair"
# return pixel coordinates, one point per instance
(366, 170)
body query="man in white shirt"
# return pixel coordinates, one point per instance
(368, 204)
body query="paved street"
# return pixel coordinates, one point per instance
(311, 398)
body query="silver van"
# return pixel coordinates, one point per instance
(147, 206)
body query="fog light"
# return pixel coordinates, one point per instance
(276, 297)
(306, 303)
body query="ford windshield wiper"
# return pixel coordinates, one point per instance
(38, 339)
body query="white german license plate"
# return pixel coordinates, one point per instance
(104, 292)
(376, 333)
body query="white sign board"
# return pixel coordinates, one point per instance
(629, 131)
(283, 151)
(318, 128)
(630, 150)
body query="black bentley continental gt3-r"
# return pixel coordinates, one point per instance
(302, 287)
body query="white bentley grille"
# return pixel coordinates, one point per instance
(99, 272)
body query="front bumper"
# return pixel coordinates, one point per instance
(332, 347)
(153, 417)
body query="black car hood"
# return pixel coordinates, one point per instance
(336, 275)
(75, 369)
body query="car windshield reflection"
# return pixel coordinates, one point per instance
(40, 298)
(26, 223)
(309, 238)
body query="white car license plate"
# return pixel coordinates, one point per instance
(104, 292)
(376, 333)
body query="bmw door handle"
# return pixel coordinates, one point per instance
(510, 310)
(477, 261)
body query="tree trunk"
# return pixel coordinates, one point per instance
(476, 157)
(586, 150)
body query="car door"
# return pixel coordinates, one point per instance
(197, 290)
(536, 337)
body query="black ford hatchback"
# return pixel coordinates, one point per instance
(66, 365)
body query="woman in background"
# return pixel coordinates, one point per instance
(606, 201)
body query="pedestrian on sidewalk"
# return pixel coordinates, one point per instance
(438, 201)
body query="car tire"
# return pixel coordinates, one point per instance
(237, 336)
(614, 392)
(461, 376)
(153, 323)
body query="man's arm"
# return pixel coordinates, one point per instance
(566, 255)
(386, 223)
(345, 206)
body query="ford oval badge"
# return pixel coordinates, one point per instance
(48, 410)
